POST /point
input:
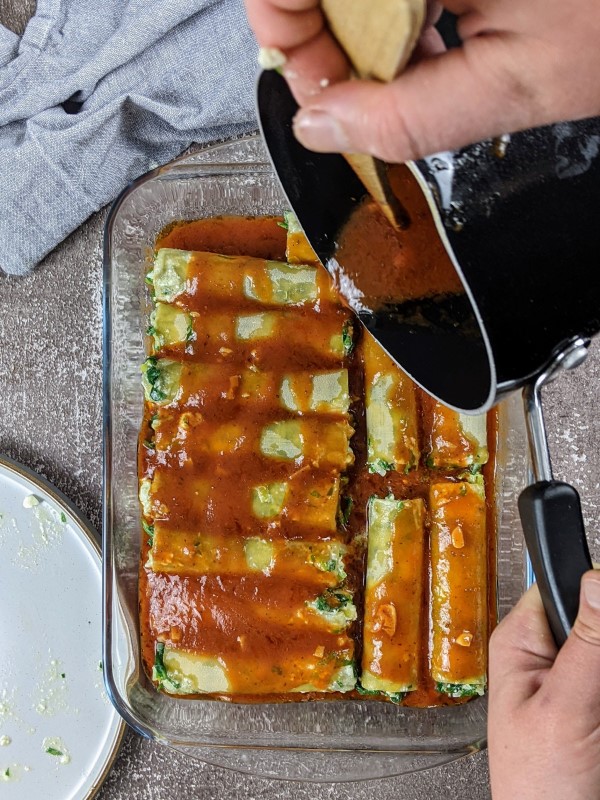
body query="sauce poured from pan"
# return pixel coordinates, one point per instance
(393, 266)
(404, 287)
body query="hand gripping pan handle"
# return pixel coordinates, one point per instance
(555, 536)
(551, 513)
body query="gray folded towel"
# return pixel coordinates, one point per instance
(96, 93)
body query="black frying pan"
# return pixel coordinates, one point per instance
(521, 223)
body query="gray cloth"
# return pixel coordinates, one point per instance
(145, 78)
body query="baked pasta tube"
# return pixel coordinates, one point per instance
(392, 427)
(191, 279)
(247, 337)
(185, 552)
(201, 386)
(256, 634)
(459, 588)
(458, 441)
(298, 249)
(318, 443)
(393, 607)
(299, 505)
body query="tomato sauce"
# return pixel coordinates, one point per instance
(390, 266)
(409, 264)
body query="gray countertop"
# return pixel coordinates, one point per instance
(50, 374)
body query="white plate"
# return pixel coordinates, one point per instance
(52, 698)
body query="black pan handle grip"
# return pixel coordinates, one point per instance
(555, 537)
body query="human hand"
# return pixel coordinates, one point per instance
(544, 707)
(522, 63)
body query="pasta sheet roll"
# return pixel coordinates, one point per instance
(393, 596)
(321, 443)
(392, 426)
(255, 633)
(191, 279)
(185, 552)
(298, 249)
(204, 386)
(180, 671)
(255, 335)
(213, 389)
(457, 440)
(306, 502)
(459, 588)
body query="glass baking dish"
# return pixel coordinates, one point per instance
(326, 741)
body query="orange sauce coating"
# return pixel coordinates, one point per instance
(261, 237)
(459, 561)
(393, 619)
(167, 602)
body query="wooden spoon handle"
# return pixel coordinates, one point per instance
(374, 176)
(378, 36)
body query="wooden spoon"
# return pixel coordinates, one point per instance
(378, 37)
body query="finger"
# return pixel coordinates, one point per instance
(430, 44)
(460, 7)
(284, 24)
(434, 12)
(313, 58)
(522, 649)
(320, 63)
(578, 662)
(464, 95)
(314, 66)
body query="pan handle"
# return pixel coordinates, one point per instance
(555, 536)
(551, 510)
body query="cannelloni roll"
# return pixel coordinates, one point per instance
(393, 612)
(304, 503)
(255, 336)
(320, 668)
(192, 279)
(251, 634)
(320, 443)
(458, 441)
(391, 411)
(176, 551)
(459, 588)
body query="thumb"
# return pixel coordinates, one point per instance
(522, 651)
(577, 665)
(444, 102)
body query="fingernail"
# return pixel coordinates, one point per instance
(318, 130)
(591, 590)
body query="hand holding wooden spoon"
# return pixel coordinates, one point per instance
(522, 63)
